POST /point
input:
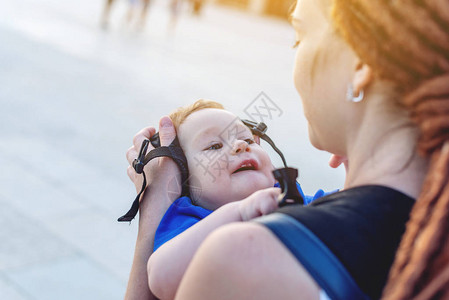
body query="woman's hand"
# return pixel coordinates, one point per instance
(259, 203)
(160, 172)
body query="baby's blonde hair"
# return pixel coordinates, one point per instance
(181, 114)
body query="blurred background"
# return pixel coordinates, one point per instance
(79, 79)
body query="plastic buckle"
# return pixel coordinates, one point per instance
(258, 129)
(287, 180)
(138, 163)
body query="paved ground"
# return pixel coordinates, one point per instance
(72, 96)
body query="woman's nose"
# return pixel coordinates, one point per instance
(239, 147)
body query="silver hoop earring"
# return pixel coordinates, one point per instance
(350, 94)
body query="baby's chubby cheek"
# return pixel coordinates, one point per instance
(213, 178)
(220, 165)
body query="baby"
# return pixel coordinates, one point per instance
(226, 164)
(230, 181)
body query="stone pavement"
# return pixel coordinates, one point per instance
(72, 96)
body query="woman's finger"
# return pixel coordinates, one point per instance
(167, 132)
(131, 154)
(131, 173)
(142, 135)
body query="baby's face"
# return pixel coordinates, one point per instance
(225, 163)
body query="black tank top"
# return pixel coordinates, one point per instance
(362, 226)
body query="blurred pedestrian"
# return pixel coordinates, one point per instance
(143, 13)
(175, 6)
(196, 6)
(137, 13)
(135, 7)
(106, 13)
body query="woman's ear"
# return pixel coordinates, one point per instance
(363, 77)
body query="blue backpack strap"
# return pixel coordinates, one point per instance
(312, 253)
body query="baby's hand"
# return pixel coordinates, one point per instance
(259, 203)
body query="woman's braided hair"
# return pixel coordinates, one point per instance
(407, 42)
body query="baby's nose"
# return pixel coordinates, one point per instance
(239, 147)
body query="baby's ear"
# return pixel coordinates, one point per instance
(256, 139)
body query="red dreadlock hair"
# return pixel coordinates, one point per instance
(407, 42)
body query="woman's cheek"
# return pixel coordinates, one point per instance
(297, 72)
(302, 73)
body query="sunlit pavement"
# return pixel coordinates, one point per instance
(72, 96)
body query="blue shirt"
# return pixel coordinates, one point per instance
(182, 214)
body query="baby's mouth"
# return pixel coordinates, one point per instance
(246, 165)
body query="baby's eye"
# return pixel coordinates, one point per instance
(215, 146)
(250, 141)
(296, 44)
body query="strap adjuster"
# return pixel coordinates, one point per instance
(138, 163)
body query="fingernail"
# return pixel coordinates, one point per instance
(165, 122)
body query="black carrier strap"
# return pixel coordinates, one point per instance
(173, 151)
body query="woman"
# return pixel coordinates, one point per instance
(374, 80)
